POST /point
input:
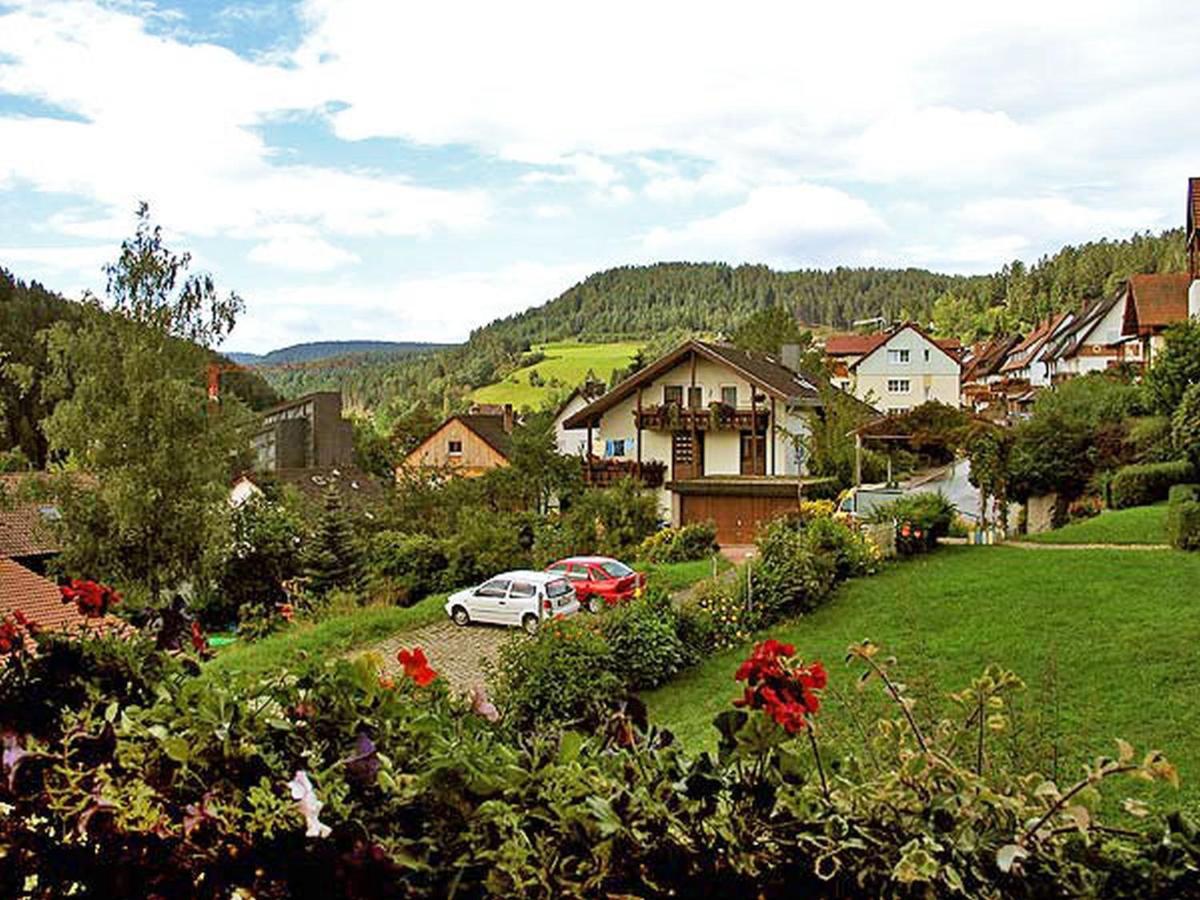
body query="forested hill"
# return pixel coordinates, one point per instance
(26, 311)
(661, 303)
(322, 350)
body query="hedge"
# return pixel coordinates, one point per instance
(1183, 517)
(1141, 485)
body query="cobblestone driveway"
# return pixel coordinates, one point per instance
(455, 653)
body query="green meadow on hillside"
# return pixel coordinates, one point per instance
(1104, 639)
(566, 362)
(1136, 525)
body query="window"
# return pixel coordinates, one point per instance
(695, 397)
(615, 447)
(577, 572)
(926, 354)
(455, 448)
(558, 568)
(497, 587)
(729, 395)
(522, 589)
(673, 393)
(616, 569)
(557, 588)
(898, 357)
(898, 386)
(897, 410)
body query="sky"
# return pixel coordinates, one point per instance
(370, 169)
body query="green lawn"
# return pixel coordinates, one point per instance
(1107, 637)
(1136, 525)
(326, 639)
(569, 362)
(677, 576)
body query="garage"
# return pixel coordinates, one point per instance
(737, 505)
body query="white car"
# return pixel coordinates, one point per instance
(524, 598)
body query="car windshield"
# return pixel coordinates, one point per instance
(557, 587)
(614, 569)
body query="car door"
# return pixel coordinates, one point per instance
(577, 573)
(489, 603)
(522, 599)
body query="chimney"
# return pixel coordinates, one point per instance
(508, 418)
(789, 356)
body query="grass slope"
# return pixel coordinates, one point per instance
(320, 641)
(568, 362)
(1136, 525)
(1118, 631)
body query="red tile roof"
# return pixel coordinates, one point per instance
(1156, 301)
(24, 527)
(39, 599)
(853, 344)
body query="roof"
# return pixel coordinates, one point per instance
(356, 488)
(853, 344)
(1068, 341)
(764, 371)
(949, 346)
(1025, 352)
(25, 524)
(1155, 302)
(533, 575)
(989, 356)
(39, 599)
(745, 485)
(490, 429)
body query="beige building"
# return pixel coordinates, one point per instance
(723, 428)
(468, 444)
(898, 369)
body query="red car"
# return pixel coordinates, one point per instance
(599, 580)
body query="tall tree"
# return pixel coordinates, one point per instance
(145, 462)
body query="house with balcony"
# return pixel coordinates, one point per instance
(717, 431)
(897, 369)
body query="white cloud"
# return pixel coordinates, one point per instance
(300, 249)
(786, 225)
(73, 260)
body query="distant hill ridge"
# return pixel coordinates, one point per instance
(315, 351)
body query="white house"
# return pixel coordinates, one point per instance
(898, 369)
(573, 442)
(717, 428)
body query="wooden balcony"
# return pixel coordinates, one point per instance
(718, 417)
(604, 472)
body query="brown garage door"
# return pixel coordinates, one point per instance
(737, 518)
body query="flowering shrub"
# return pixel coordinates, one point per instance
(91, 599)
(697, 540)
(337, 785)
(853, 555)
(790, 575)
(717, 617)
(780, 685)
(816, 509)
(15, 632)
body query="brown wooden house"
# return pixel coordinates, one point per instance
(467, 444)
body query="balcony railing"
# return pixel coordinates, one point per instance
(604, 472)
(716, 417)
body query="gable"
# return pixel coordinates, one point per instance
(435, 448)
(911, 338)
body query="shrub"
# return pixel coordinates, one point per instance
(1149, 439)
(697, 540)
(404, 567)
(486, 544)
(1140, 485)
(826, 488)
(1185, 425)
(852, 554)
(717, 617)
(611, 521)
(932, 513)
(564, 674)
(1183, 517)
(789, 575)
(646, 648)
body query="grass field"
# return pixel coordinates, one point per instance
(1137, 525)
(677, 576)
(568, 362)
(326, 639)
(1105, 637)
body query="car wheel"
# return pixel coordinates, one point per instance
(460, 616)
(593, 604)
(530, 623)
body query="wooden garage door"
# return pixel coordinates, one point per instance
(737, 518)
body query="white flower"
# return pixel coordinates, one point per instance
(310, 806)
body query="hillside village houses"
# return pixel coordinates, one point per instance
(469, 444)
(721, 425)
(897, 369)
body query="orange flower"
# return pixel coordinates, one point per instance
(416, 666)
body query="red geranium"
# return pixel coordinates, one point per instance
(93, 600)
(781, 686)
(416, 666)
(14, 631)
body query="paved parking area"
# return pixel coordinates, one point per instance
(457, 654)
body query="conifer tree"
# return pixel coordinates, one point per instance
(331, 558)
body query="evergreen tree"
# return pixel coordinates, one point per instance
(331, 557)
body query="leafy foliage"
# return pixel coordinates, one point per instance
(1176, 366)
(331, 557)
(1139, 485)
(697, 540)
(1185, 425)
(644, 639)
(1183, 517)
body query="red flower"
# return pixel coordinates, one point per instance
(782, 687)
(93, 600)
(904, 530)
(199, 641)
(416, 666)
(286, 610)
(14, 631)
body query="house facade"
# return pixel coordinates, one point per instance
(1153, 304)
(468, 444)
(308, 432)
(573, 442)
(898, 369)
(722, 425)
